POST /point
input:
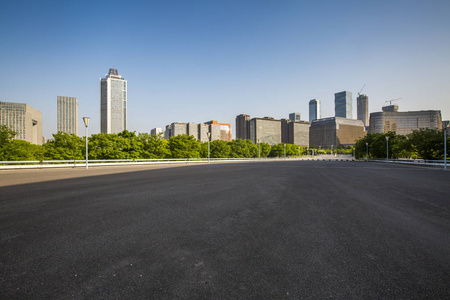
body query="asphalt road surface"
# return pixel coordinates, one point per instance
(231, 231)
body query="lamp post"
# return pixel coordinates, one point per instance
(331, 149)
(387, 149)
(209, 137)
(86, 123)
(445, 148)
(367, 151)
(285, 151)
(299, 151)
(259, 150)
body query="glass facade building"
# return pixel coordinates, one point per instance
(314, 110)
(343, 105)
(113, 103)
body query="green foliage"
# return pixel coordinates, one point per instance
(21, 150)
(424, 143)
(243, 149)
(153, 146)
(184, 146)
(6, 134)
(65, 146)
(265, 149)
(219, 149)
(428, 143)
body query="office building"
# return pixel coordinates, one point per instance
(67, 114)
(343, 105)
(335, 131)
(178, 128)
(168, 132)
(265, 130)
(294, 117)
(390, 119)
(24, 120)
(156, 131)
(243, 127)
(285, 130)
(219, 131)
(203, 130)
(362, 109)
(299, 133)
(314, 110)
(113, 103)
(192, 129)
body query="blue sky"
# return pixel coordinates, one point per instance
(194, 61)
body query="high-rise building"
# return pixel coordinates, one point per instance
(404, 122)
(294, 117)
(192, 129)
(113, 103)
(343, 105)
(24, 120)
(242, 127)
(68, 114)
(362, 109)
(314, 110)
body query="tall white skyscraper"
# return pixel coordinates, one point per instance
(113, 103)
(343, 105)
(68, 114)
(314, 110)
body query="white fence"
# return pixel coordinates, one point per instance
(36, 164)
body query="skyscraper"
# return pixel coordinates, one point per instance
(113, 103)
(343, 105)
(68, 114)
(362, 109)
(314, 110)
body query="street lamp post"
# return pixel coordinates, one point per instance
(445, 148)
(285, 151)
(259, 150)
(387, 149)
(367, 151)
(331, 149)
(209, 137)
(86, 123)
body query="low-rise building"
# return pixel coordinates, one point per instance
(334, 132)
(265, 130)
(403, 122)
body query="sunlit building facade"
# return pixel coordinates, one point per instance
(113, 103)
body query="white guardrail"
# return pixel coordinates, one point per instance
(418, 162)
(36, 164)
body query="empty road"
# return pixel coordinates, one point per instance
(292, 229)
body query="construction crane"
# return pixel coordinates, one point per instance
(390, 101)
(361, 89)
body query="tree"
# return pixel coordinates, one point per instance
(21, 150)
(154, 146)
(429, 143)
(243, 149)
(265, 149)
(277, 150)
(65, 146)
(184, 146)
(219, 149)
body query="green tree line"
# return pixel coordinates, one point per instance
(129, 145)
(424, 143)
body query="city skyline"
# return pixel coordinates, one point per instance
(201, 61)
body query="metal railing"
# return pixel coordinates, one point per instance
(418, 162)
(36, 164)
